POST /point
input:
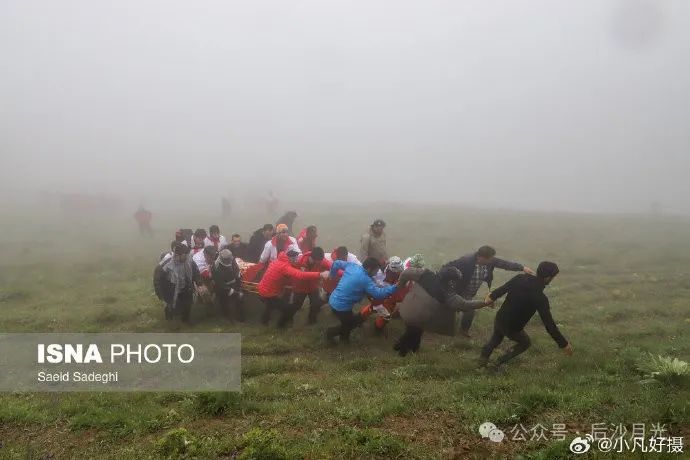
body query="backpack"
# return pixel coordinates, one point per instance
(161, 285)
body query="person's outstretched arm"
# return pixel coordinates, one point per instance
(380, 292)
(545, 313)
(337, 266)
(503, 290)
(298, 274)
(457, 302)
(410, 274)
(508, 265)
(266, 253)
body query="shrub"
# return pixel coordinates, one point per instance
(258, 444)
(664, 369)
(369, 443)
(217, 403)
(176, 443)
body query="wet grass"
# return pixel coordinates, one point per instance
(621, 294)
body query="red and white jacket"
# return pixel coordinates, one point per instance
(270, 252)
(220, 243)
(308, 286)
(330, 284)
(200, 260)
(305, 244)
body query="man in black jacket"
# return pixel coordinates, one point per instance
(478, 268)
(228, 284)
(257, 242)
(179, 277)
(239, 248)
(525, 297)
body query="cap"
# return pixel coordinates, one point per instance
(293, 255)
(281, 228)
(225, 257)
(416, 261)
(378, 223)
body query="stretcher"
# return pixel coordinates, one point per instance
(444, 322)
(249, 272)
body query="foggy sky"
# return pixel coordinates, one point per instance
(576, 106)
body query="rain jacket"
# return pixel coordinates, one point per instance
(279, 274)
(354, 284)
(308, 286)
(427, 298)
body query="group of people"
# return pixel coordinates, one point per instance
(286, 271)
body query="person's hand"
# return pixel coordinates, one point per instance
(528, 270)
(325, 274)
(568, 350)
(488, 301)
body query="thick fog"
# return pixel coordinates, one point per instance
(553, 105)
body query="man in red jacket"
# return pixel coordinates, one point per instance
(340, 253)
(313, 261)
(274, 281)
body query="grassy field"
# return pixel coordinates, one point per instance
(624, 291)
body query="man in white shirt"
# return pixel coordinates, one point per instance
(341, 253)
(215, 239)
(281, 242)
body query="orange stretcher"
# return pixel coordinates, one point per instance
(249, 272)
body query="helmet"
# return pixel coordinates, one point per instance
(395, 264)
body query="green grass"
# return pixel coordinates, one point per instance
(623, 292)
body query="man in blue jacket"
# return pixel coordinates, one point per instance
(357, 281)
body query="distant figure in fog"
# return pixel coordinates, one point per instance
(288, 219)
(143, 218)
(225, 208)
(272, 203)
